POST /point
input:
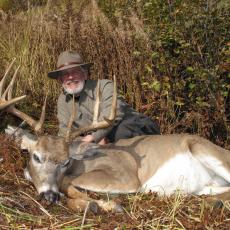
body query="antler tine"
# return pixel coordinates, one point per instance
(8, 90)
(39, 125)
(6, 104)
(72, 117)
(36, 125)
(9, 101)
(97, 103)
(2, 82)
(102, 124)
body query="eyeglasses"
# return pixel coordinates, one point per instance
(72, 72)
(76, 72)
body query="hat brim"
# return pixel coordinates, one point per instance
(58, 73)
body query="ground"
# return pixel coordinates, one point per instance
(22, 208)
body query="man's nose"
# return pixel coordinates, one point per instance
(70, 76)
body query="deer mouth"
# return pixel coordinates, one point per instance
(50, 196)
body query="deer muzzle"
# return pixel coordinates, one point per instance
(50, 196)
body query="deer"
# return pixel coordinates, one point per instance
(155, 163)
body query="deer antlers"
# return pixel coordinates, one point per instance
(7, 102)
(6, 97)
(95, 124)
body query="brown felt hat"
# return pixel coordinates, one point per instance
(68, 60)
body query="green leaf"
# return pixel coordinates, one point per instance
(191, 85)
(155, 55)
(189, 69)
(179, 103)
(136, 53)
(155, 86)
(148, 68)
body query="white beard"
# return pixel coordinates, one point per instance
(77, 90)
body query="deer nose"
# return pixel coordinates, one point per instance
(50, 196)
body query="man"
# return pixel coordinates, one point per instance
(73, 74)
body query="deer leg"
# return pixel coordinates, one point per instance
(220, 194)
(213, 157)
(217, 161)
(217, 201)
(223, 196)
(98, 181)
(76, 200)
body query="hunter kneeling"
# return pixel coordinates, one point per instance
(73, 75)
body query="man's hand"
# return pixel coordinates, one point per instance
(89, 138)
(103, 141)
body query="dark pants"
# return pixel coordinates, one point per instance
(136, 125)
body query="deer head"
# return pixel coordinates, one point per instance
(51, 156)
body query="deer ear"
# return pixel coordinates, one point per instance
(23, 138)
(27, 175)
(28, 142)
(83, 150)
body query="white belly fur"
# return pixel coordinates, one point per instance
(183, 172)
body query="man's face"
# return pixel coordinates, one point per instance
(73, 80)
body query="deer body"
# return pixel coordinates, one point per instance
(158, 163)
(147, 165)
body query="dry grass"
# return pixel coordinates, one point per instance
(36, 37)
(21, 207)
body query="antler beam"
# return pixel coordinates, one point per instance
(34, 124)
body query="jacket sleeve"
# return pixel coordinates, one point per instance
(62, 115)
(106, 87)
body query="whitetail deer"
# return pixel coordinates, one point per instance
(158, 163)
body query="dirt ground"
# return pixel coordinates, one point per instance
(22, 208)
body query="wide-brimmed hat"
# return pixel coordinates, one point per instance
(68, 60)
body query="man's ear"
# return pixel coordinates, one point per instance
(86, 73)
(28, 143)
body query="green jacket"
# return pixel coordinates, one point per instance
(85, 106)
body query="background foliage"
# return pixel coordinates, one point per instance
(171, 58)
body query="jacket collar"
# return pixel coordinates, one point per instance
(88, 88)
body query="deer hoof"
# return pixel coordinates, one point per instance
(217, 204)
(118, 209)
(93, 207)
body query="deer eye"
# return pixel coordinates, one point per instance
(36, 158)
(65, 163)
